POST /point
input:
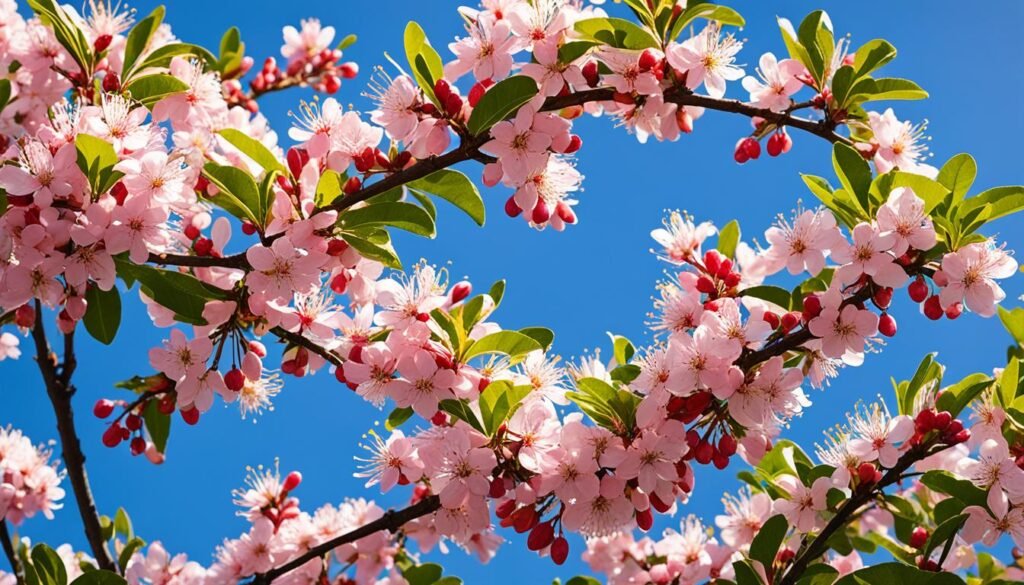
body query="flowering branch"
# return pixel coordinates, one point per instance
(391, 521)
(57, 378)
(302, 341)
(819, 545)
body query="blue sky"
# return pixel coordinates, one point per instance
(597, 276)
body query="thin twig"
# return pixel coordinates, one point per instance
(391, 521)
(58, 387)
(12, 555)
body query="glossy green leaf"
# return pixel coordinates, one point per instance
(497, 402)
(182, 293)
(139, 38)
(501, 101)
(161, 57)
(542, 335)
(99, 577)
(129, 549)
(398, 417)
(461, 410)
(455, 188)
(854, 173)
(149, 89)
(374, 248)
(254, 149)
(1001, 201)
(232, 51)
(616, 32)
(721, 14)
(346, 42)
(158, 425)
(767, 541)
(96, 159)
(955, 398)
(103, 313)
(238, 193)
(898, 573)
(729, 238)
(68, 33)
(5, 93)
(961, 489)
(872, 55)
(772, 294)
(892, 88)
(48, 566)
(424, 61)
(406, 216)
(510, 343)
(623, 349)
(1008, 382)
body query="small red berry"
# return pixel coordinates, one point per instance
(103, 408)
(541, 536)
(887, 325)
(190, 416)
(292, 481)
(645, 520)
(932, 308)
(138, 446)
(918, 290)
(234, 380)
(559, 550)
(918, 537)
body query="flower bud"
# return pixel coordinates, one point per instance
(559, 550)
(887, 325)
(103, 408)
(541, 536)
(292, 481)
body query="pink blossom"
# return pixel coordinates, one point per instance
(971, 272)
(39, 173)
(155, 176)
(626, 76)
(707, 58)
(779, 80)
(459, 467)
(390, 462)
(520, 145)
(900, 145)
(842, 328)
(423, 384)
(307, 43)
(137, 227)
(282, 269)
(869, 255)
(487, 51)
(802, 244)
(397, 100)
(904, 217)
(802, 505)
(601, 515)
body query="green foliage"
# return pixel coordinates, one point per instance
(455, 188)
(5, 93)
(139, 38)
(232, 51)
(103, 313)
(96, 159)
(928, 372)
(944, 482)
(238, 193)
(497, 403)
(182, 293)
(501, 101)
(511, 343)
(254, 149)
(149, 89)
(68, 34)
(158, 425)
(398, 417)
(616, 32)
(772, 294)
(373, 243)
(729, 238)
(424, 61)
(694, 10)
(609, 407)
(405, 216)
(955, 398)
(767, 541)
(898, 573)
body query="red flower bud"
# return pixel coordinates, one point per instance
(932, 308)
(541, 536)
(644, 520)
(103, 408)
(234, 380)
(918, 290)
(190, 416)
(918, 537)
(559, 550)
(292, 481)
(461, 290)
(887, 325)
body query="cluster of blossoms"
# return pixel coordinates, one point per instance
(104, 180)
(856, 454)
(29, 482)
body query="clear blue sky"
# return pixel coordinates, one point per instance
(596, 277)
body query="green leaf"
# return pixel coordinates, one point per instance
(721, 14)
(102, 314)
(139, 38)
(497, 402)
(238, 193)
(149, 89)
(898, 573)
(616, 32)
(455, 188)
(582, 580)
(958, 175)
(161, 57)
(854, 173)
(607, 406)
(182, 293)
(773, 294)
(123, 524)
(501, 101)
(232, 51)
(96, 159)
(68, 34)
(347, 42)
(542, 335)
(99, 577)
(1013, 321)
(460, 409)
(892, 88)
(497, 292)
(622, 349)
(928, 371)
(48, 566)
(767, 541)
(254, 149)
(1008, 381)
(510, 343)
(158, 425)
(818, 42)
(961, 489)
(955, 398)
(129, 549)
(5, 93)
(872, 55)
(573, 50)
(374, 246)
(729, 238)
(406, 216)
(785, 457)
(745, 573)
(1001, 201)
(424, 61)
(932, 192)
(397, 417)
(329, 187)
(943, 532)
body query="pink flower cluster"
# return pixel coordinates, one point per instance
(29, 482)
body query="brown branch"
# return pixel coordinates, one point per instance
(296, 339)
(819, 545)
(57, 378)
(234, 261)
(12, 555)
(391, 521)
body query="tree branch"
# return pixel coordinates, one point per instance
(57, 378)
(234, 261)
(391, 521)
(819, 545)
(296, 339)
(12, 555)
